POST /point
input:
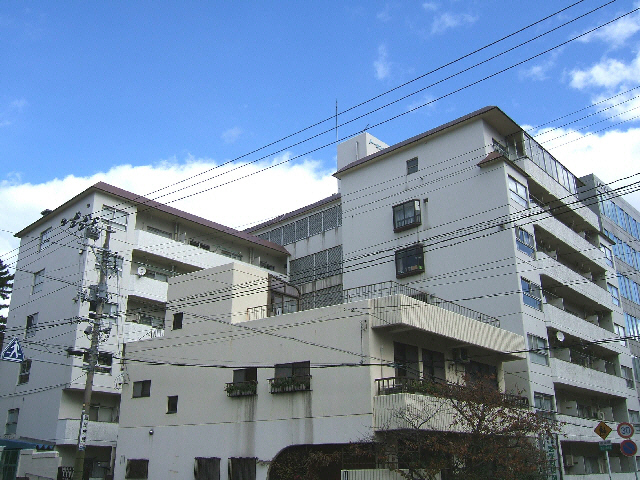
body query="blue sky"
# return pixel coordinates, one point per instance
(141, 94)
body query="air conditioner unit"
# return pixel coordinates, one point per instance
(600, 415)
(460, 355)
(571, 405)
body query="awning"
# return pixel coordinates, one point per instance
(21, 444)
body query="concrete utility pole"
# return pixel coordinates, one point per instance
(78, 467)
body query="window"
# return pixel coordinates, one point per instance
(45, 239)
(12, 421)
(242, 468)
(25, 370)
(177, 320)
(525, 242)
(32, 322)
(245, 382)
(608, 255)
(115, 218)
(538, 350)
(627, 374)
(620, 331)
(531, 294)
(158, 231)
(172, 404)
(405, 358)
(137, 469)
(615, 296)
(103, 413)
(412, 166)
(38, 280)
(409, 261)
(518, 192)
(206, 468)
(542, 401)
(406, 215)
(291, 377)
(634, 417)
(433, 365)
(142, 389)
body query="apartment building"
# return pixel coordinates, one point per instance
(477, 212)
(239, 380)
(56, 271)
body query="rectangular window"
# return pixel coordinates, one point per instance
(242, 468)
(25, 371)
(531, 294)
(412, 166)
(38, 280)
(525, 242)
(627, 374)
(245, 383)
(405, 359)
(406, 215)
(32, 322)
(518, 192)
(433, 365)
(45, 239)
(12, 421)
(543, 402)
(103, 414)
(620, 331)
(172, 404)
(291, 377)
(141, 389)
(206, 468)
(177, 320)
(634, 417)
(538, 349)
(409, 261)
(615, 297)
(114, 217)
(137, 469)
(608, 255)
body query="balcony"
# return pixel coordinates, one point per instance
(583, 327)
(242, 389)
(148, 288)
(98, 433)
(579, 376)
(294, 383)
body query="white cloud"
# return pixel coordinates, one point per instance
(448, 20)
(19, 103)
(610, 155)
(616, 33)
(238, 204)
(608, 73)
(382, 65)
(430, 6)
(384, 15)
(231, 135)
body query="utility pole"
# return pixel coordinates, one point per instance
(78, 468)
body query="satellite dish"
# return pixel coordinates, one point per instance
(142, 271)
(560, 336)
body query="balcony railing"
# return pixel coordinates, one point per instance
(378, 290)
(241, 389)
(434, 388)
(295, 383)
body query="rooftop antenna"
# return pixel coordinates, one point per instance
(365, 128)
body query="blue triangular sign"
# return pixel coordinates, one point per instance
(13, 352)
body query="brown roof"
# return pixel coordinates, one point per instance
(142, 201)
(295, 213)
(498, 118)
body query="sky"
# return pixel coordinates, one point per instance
(243, 95)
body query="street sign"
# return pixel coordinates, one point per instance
(625, 430)
(603, 430)
(13, 352)
(605, 445)
(628, 448)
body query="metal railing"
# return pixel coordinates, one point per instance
(435, 388)
(241, 389)
(294, 383)
(378, 290)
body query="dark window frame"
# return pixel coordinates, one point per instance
(416, 267)
(178, 320)
(172, 404)
(412, 221)
(144, 389)
(137, 468)
(412, 165)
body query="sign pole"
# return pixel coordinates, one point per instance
(606, 452)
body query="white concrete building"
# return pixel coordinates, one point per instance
(477, 212)
(234, 382)
(41, 398)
